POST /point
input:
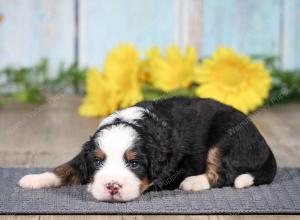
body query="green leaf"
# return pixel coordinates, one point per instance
(152, 93)
(271, 62)
(32, 95)
(285, 87)
(188, 92)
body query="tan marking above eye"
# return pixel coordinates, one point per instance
(130, 154)
(100, 154)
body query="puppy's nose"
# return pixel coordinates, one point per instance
(113, 187)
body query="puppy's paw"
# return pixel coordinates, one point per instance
(243, 181)
(89, 188)
(38, 181)
(195, 183)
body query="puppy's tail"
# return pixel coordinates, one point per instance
(267, 172)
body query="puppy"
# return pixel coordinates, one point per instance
(194, 144)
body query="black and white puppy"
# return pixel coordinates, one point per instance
(194, 144)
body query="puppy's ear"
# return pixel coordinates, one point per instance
(73, 172)
(80, 170)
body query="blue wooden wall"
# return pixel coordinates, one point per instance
(33, 29)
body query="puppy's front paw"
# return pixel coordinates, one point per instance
(38, 181)
(195, 183)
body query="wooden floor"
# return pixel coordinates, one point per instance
(51, 134)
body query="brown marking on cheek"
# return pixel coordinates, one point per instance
(91, 179)
(67, 174)
(130, 154)
(100, 154)
(145, 184)
(214, 161)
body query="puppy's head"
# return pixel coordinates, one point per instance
(119, 163)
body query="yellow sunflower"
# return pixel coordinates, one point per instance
(173, 71)
(99, 99)
(123, 70)
(152, 55)
(119, 85)
(234, 80)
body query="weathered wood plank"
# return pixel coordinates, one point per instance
(190, 23)
(249, 26)
(18, 217)
(290, 50)
(104, 24)
(45, 135)
(33, 29)
(151, 217)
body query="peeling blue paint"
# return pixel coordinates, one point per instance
(31, 30)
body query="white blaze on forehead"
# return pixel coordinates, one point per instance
(128, 114)
(114, 141)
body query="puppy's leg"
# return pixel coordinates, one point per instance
(73, 172)
(210, 178)
(195, 183)
(38, 181)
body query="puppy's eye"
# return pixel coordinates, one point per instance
(133, 164)
(98, 163)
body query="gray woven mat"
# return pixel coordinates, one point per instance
(282, 196)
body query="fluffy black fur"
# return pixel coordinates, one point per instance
(175, 137)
